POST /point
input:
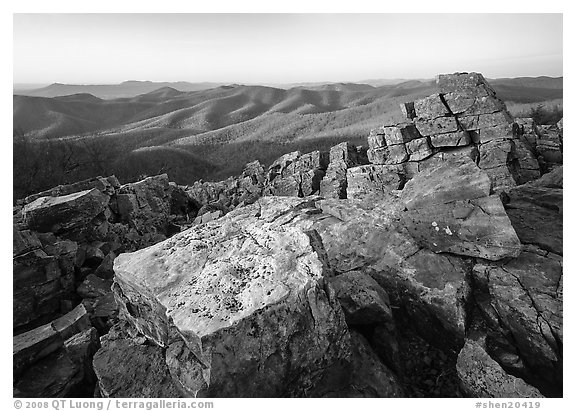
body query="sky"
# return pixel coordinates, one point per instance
(281, 48)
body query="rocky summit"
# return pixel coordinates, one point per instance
(425, 264)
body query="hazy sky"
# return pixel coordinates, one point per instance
(281, 48)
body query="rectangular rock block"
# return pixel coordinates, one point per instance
(400, 134)
(378, 155)
(397, 154)
(470, 84)
(508, 131)
(436, 126)
(419, 149)
(408, 110)
(456, 139)
(430, 107)
(376, 141)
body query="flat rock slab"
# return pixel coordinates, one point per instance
(458, 178)
(224, 287)
(56, 214)
(475, 228)
(482, 377)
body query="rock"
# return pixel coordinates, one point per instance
(369, 237)
(370, 378)
(373, 180)
(24, 241)
(57, 214)
(72, 322)
(126, 369)
(224, 288)
(526, 294)
(396, 154)
(476, 122)
(34, 345)
(528, 167)
(209, 216)
(400, 134)
(105, 269)
(106, 186)
(419, 149)
(507, 131)
(39, 285)
(455, 179)
(408, 110)
(345, 152)
(536, 215)
(438, 125)
(431, 107)
(457, 139)
(482, 377)
(378, 155)
(497, 159)
(362, 299)
(376, 140)
(475, 228)
(468, 84)
(334, 183)
(94, 287)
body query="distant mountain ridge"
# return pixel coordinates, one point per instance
(111, 91)
(134, 88)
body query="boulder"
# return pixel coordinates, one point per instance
(457, 139)
(223, 288)
(431, 107)
(373, 180)
(526, 294)
(468, 84)
(419, 149)
(429, 127)
(369, 378)
(106, 186)
(482, 377)
(58, 214)
(126, 369)
(399, 134)
(362, 299)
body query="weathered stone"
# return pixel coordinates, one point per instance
(466, 105)
(369, 378)
(344, 152)
(34, 345)
(436, 126)
(468, 84)
(482, 377)
(24, 241)
(104, 185)
(207, 217)
(528, 167)
(126, 369)
(225, 287)
(369, 237)
(419, 149)
(362, 299)
(456, 179)
(57, 214)
(526, 294)
(536, 215)
(66, 373)
(376, 141)
(373, 180)
(94, 287)
(72, 322)
(105, 269)
(400, 134)
(457, 139)
(497, 159)
(408, 110)
(431, 107)
(396, 154)
(475, 228)
(476, 122)
(526, 125)
(378, 155)
(508, 131)
(334, 183)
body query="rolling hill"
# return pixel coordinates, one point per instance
(211, 133)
